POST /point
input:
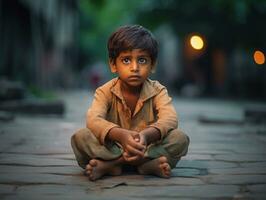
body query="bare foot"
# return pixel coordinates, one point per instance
(98, 168)
(159, 167)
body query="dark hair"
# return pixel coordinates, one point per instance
(131, 37)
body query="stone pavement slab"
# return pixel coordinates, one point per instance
(225, 160)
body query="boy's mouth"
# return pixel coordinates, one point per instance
(133, 77)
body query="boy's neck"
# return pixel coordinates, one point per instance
(125, 88)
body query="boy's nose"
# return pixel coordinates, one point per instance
(134, 66)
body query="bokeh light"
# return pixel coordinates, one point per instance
(259, 57)
(196, 42)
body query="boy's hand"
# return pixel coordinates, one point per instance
(144, 137)
(140, 138)
(126, 139)
(132, 146)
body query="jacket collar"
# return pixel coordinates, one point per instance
(147, 91)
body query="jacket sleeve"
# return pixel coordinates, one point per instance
(166, 114)
(97, 114)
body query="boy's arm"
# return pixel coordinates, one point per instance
(97, 114)
(166, 114)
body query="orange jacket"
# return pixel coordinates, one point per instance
(154, 108)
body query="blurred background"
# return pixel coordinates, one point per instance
(212, 48)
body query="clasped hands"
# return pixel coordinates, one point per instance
(134, 143)
(134, 146)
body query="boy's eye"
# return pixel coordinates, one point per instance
(142, 61)
(126, 60)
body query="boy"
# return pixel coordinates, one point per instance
(131, 120)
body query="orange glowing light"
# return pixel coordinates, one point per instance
(196, 42)
(259, 57)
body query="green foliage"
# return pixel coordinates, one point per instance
(98, 19)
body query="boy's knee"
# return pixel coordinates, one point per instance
(80, 136)
(176, 143)
(77, 136)
(179, 137)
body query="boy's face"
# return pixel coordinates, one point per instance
(133, 67)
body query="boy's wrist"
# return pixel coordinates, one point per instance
(116, 134)
(151, 135)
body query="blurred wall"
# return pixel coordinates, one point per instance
(57, 43)
(37, 40)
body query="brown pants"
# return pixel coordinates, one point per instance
(86, 147)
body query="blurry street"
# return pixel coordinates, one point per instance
(226, 158)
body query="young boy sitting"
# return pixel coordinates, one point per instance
(131, 120)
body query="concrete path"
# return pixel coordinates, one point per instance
(226, 159)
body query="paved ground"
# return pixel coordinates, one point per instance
(226, 159)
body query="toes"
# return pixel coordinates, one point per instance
(93, 163)
(87, 173)
(167, 175)
(91, 177)
(88, 167)
(163, 159)
(166, 169)
(88, 170)
(164, 166)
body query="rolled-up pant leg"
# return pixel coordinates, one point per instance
(86, 146)
(174, 146)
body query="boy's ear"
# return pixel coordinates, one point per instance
(112, 66)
